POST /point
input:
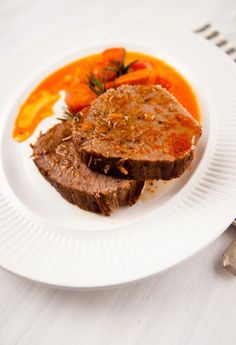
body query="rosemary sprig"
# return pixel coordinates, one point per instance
(67, 115)
(126, 68)
(98, 84)
(119, 67)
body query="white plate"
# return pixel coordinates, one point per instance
(44, 238)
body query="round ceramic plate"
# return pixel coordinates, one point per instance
(44, 238)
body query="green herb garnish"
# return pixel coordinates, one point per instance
(98, 84)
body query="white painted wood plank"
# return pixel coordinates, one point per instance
(194, 302)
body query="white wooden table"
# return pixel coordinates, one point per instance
(193, 303)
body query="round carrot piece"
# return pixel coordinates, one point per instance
(79, 97)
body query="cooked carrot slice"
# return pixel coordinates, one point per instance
(103, 72)
(79, 97)
(142, 76)
(114, 54)
(139, 65)
(97, 70)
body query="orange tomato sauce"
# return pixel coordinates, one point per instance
(40, 102)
